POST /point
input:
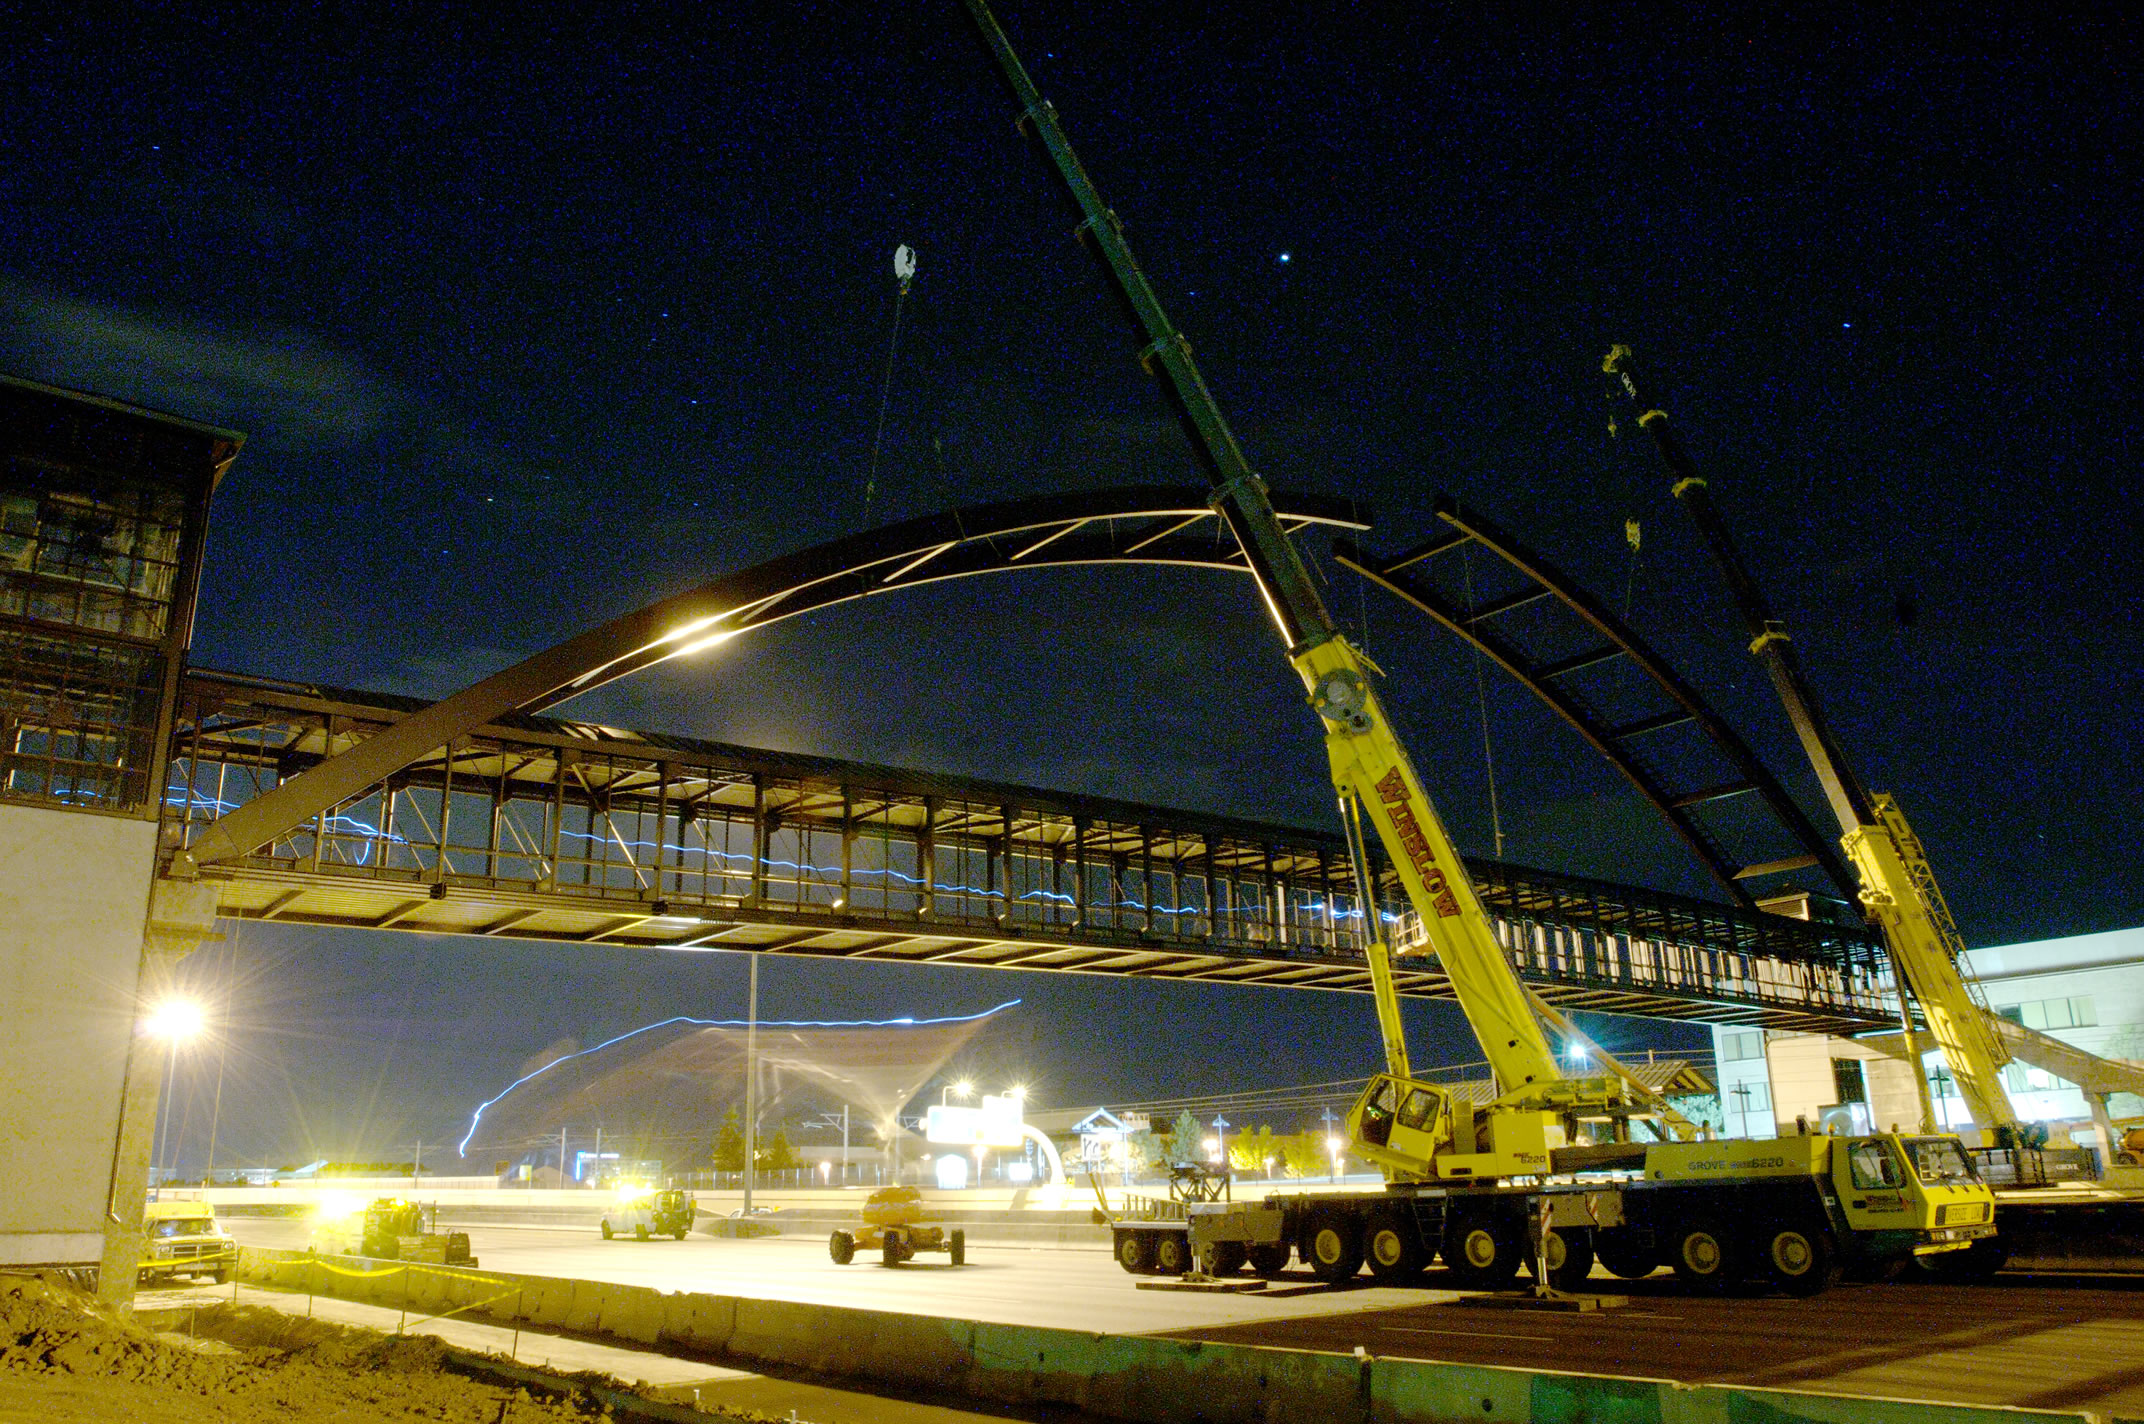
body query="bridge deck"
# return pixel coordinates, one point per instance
(570, 832)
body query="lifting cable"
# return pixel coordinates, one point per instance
(1481, 696)
(904, 272)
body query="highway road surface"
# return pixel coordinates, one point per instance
(2045, 1342)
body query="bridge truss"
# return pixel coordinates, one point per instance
(560, 831)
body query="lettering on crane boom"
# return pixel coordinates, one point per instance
(1398, 805)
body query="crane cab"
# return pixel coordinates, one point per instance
(1417, 1131)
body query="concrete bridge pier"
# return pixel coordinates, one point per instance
(182, 918)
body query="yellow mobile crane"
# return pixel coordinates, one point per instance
(1465, 1182)
(1899, 889)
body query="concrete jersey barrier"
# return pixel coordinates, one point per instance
(1142, 1378)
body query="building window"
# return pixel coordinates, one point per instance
(2075, 1012)
(1848, 1081)
(1741, 1047)
(1750, 1099)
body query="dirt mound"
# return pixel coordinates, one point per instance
(64, 1358)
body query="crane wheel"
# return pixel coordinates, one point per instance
(1623, 1254)
(1570, 1257)
(1223, 1258)
(606, 1231)
(842, 1247)
(889, 1249)
(1333, 1247)
(957, 1247)
(1706, 1257)
(1269, 1261)
(1172, 1254)
(1393, 1247)
(1799, 1259)
(1483, 1249)
(1135, 1252)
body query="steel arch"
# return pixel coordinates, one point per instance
(1125, 525)
(1608, 639)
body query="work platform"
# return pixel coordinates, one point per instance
(542, 829)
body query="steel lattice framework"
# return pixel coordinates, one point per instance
(568, 832)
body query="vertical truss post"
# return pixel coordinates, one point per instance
(762, 837)
(848, 846)
(927, 860)
(1080, 826)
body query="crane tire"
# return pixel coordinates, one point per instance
(1570, 1257)
(1482, 1249)
(1800, 1260)
(1392, 1245)
(1135, 1252)
(1172, 1254)
(1619, 1249)
(1332, 1245)
(957, 1247)
(842, 1247)
(1706, 1256)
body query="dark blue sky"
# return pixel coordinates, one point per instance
(533, 322)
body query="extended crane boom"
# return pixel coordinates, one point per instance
(1371, 771)
(1478, 1184)
(1897, 885)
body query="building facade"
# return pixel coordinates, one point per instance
(2087, 990)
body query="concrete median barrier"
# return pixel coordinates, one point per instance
(703, 1322)
(1191, 1382)
(1139, 1378)
(630, 1313)
(903, 1349)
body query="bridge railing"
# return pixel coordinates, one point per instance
(678, 836)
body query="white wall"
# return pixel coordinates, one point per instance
(74, 898)
(2101, 975)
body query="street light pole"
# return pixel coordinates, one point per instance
(751, 1080)
(171, 1074)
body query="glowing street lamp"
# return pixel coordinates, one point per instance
(962, 1089)
(1333, 1145)
(175, 1020)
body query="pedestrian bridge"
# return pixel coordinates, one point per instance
(569, 832)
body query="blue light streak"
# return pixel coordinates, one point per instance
(909, 1022)
(733, 863)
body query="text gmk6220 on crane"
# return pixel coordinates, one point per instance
(1463, 1182)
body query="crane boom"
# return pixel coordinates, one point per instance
(1371, 771)
(1897, 885)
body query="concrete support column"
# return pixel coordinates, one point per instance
(182, 917)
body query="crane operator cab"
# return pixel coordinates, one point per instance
(1419, 1131)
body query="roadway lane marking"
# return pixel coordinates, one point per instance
(1477, 1334)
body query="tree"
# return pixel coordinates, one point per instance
(1305, 1154)
(729, 1144)
(1185, 1139)
(778, 1155)
(1143, 1153)
(1703, 1109)
(1251, 1150)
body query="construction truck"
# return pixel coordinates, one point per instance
(183, 1238)
(642, 1210)
(1478, 1185)
(1898, 890)
(387, 1229)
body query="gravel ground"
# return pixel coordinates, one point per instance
(64, 1359)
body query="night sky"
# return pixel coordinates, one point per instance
(532, 322)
